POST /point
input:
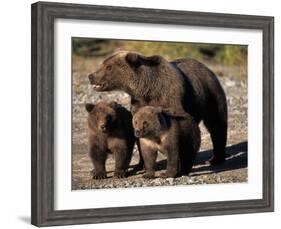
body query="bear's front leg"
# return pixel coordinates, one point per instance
(120, 168)
(172, 161)
(98, 159)
(122, 158)
(149, 157)
(98, 175)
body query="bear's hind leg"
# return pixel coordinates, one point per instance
(187, 157)
(218, 130)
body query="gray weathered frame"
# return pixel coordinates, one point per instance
(43, 17)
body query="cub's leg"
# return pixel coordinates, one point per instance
(98, 158)
(130, 149)
(140, 164)
(172, 153)
(122, 156)
(120, 164)
(149, 157)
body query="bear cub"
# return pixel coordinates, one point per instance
(176, 136)
(110, 130)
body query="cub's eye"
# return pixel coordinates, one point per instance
(108, 67)
(108, 118)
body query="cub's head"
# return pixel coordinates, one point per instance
(101, 116)
(149, 121)
(120, 71)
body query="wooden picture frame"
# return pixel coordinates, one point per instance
(43, 16)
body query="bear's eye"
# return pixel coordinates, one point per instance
(108, 67)
(108, 118)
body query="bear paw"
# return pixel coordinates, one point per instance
(148, 175)
(216, 160)
(99, 175)
(168, 175)
(119, 174)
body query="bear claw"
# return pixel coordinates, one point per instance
(119, 175)
(99, 175)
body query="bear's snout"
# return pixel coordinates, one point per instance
(97, 81)
(137, 133)
(103, 128)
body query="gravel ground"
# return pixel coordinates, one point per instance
(234, 82)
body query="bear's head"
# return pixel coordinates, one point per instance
(149, 121)
(123, 70)
(101, 116)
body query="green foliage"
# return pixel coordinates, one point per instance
(215, 53)
(88, 47)
(232, 55)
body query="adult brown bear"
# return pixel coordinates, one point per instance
(182, 85)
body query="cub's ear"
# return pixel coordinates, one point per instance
(89, 107)
(114, 105)
(175, 114)
(161, 116)
(133, 59)
(162, 119)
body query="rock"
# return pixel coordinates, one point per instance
(170, 180)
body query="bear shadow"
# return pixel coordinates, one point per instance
(236, 158)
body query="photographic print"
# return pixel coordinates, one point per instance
(148, 113)
(175, 108)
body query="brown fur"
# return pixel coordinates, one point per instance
(183, 85)
(176, 137)
(109, 131)
(144, 81)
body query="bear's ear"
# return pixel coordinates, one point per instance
(114, 105)
(89, 107)
(162, 119)
(133, 59)
(175, 114)
(152, 60)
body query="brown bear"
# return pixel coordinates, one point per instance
(176, 137)
(183, 85)
(110, 130)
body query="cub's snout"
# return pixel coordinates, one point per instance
(137, 133)
(103, 128)
(91, 77)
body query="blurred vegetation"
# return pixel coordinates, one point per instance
(214, 53)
